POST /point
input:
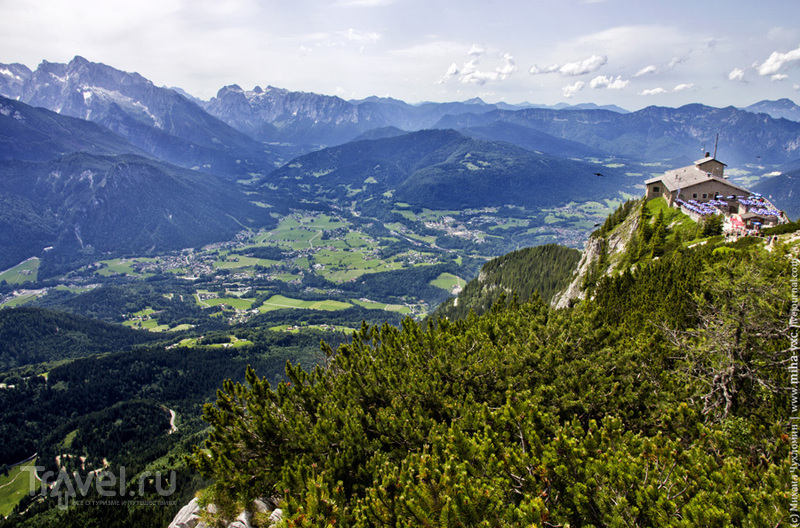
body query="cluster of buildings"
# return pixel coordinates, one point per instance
(701, 190)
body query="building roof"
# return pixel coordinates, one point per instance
(750, 215)
(686, 177)
(707, 159)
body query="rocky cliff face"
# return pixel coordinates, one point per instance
(274, 114)
(616, 243)
(191, 515)
(12, 79)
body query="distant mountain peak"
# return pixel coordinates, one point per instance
(160, 121)
(78, 60)
(783, 108)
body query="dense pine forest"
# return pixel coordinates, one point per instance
(661, 400)
(545, 270)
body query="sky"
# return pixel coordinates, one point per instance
(632, 53)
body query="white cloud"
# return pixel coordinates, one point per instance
(549, 69)
(796, 87)
(646, 70)
(508, 66)
(780, 33)
(476, 51)
(592, 64)
(737, 74)
(573, 69)
(654, 91)
(779, 77)
(777, 61)
(611, 83)
(572, 89)
(452, 71)
(470, 74)
(674, 61)
(682, 87)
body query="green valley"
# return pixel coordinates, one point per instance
(308, 311)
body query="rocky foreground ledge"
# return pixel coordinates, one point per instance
(190, 515)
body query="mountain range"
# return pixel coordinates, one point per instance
(444, 169)
(156, 120)
(653, 133)
(779, 109)
(656, 133)
(95, 158)
(75, 186)
(227, 134)
(783, 190)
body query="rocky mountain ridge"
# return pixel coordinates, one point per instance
(156, 120)
(615, 244)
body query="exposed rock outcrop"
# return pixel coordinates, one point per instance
(190, 516)
(616, 243)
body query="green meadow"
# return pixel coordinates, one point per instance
(280, 302)
(448, 281)
(23, 272)
(15, 486)
(372, 305)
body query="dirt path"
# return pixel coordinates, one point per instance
(11, 481)
(172, 428)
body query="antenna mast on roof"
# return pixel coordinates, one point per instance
(716, 141)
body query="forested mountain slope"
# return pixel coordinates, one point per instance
(542, 270)
(36, 134)
(643, 405)
(35, 335)
(121, 204)
(443, 169)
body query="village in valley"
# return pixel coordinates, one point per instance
(263, 271)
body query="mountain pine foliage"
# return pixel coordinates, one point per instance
(659, 402)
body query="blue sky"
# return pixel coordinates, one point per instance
(633, 53)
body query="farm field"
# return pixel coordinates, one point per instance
(19, 300)
(448, 281)
(286, 265)
(279, 302)
(21, 273)
(234, 302)
(15, 486)
(234, 342)
(372, 305)
(143, 320)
